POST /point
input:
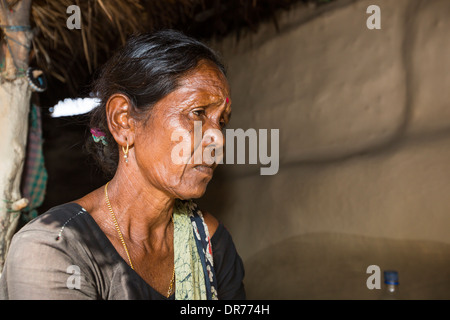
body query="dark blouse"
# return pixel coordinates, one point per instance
(63, 254)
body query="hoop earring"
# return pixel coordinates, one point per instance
(125, 153)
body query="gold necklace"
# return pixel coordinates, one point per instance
(169, 292)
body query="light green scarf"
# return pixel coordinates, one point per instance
(189, 276)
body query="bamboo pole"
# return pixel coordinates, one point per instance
(15, 97)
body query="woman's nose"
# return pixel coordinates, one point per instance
(212, 143)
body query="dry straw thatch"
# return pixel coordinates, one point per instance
(71, 56)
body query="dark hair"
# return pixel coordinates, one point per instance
(146, 69)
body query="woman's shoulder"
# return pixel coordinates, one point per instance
(55, 220)
(211, 222)
(64, 232)
(194, 210)
(46, 251)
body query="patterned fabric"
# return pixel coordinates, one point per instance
(194, 270)
(34, 177)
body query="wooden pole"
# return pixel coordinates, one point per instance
(15, 95)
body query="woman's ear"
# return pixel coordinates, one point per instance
(120, 123)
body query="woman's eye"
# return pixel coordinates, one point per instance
(199, 112)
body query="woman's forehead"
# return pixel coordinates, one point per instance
(198, 95)
(206, 77)
(201, 87)
(187, 96)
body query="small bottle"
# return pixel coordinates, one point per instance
(391, 291)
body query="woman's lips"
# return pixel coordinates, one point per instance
(205, 169)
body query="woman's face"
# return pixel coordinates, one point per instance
(203, 95)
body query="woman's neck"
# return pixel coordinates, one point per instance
(143, 212)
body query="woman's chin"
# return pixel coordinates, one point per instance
(193, 192)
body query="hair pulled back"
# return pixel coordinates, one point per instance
(146, 69)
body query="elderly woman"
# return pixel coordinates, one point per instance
(140, 236)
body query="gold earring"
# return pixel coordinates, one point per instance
(125, 153)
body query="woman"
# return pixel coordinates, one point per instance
(139, 236)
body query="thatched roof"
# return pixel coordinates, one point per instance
(70, 56)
